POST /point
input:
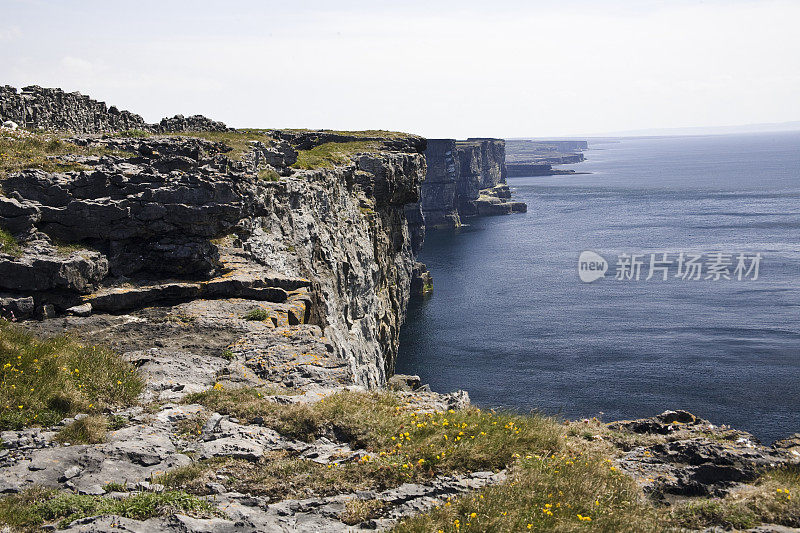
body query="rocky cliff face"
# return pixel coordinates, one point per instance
(465, 178)
(175, 220)
(53, 109)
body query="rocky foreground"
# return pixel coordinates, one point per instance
(252, 285)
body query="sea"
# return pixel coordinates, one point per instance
(511, 321)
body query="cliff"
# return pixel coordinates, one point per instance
(464, 179)
(165, 221)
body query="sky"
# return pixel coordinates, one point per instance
(437, 68)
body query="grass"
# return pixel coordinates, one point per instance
(356, 511)
(238, 141)
(570, 491)
(29, 510)
(277, 475)
(401, 445)
(22, 149)
(329, 155)
(88, 430)
(418, 445)
(559, 477)
(9, 245)
(136, 134)
(44, 380)
(268, 174)
(257, 314)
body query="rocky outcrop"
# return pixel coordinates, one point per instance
(686, 456)
(53, 109)
(460, 182)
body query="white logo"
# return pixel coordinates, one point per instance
(591, 266)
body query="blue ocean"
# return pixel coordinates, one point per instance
(511, 322)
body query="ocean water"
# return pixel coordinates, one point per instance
(510, 321)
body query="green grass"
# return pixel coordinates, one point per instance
(414, 444)
(136, 134)
(45, 380)
(238, 141)
(329, 155)
(20, 150)
(268, 174)
(88, 430)
(569, 491)
(277, 475)
(34, 507)
(9, 245)
(401, 445)
(257, 314)
(560, 478)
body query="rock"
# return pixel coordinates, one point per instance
(16, 307)
(47, 311)
(71, 472)
(696, 458)
(18, 216)
(179, 123)
(402, 382)
(77, 272)
(10, 125)
(92, 490)
(80, 310)
(421, 280)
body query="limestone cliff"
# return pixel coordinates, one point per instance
(461, 182)
(167, 221)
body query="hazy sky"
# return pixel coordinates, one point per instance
(441, 69)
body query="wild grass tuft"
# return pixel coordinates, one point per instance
(87, 430)
(9, 245)
(257, 314)
(45, 380)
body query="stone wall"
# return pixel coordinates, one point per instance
(37, 107)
